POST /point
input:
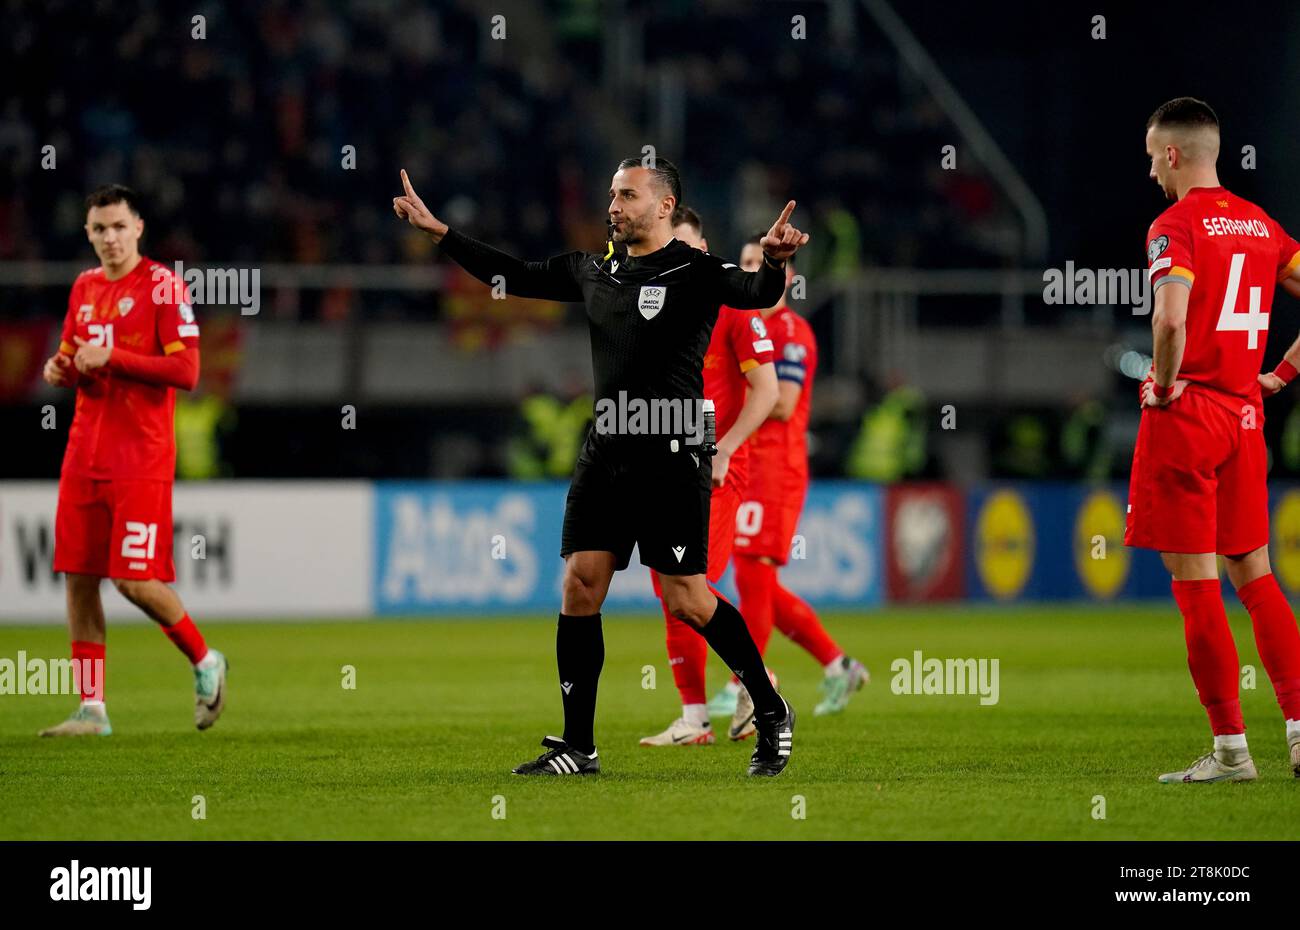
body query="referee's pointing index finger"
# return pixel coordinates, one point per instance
(406, 182)
(785, 214)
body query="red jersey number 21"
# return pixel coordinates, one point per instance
(1253, 321)
(101, 334)
(140, 540)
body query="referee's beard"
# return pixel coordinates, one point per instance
(632, 230)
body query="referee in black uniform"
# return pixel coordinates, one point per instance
(640, 480)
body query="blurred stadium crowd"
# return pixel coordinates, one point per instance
(236, 140)
(274, 140)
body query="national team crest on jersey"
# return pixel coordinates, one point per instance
(124, 305)
(651, 301)
(756, 324)
(1157, 247)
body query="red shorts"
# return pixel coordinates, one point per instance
(1200, 478)
(114, 529)
(765, 523)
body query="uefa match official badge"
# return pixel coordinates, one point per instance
(651, 301)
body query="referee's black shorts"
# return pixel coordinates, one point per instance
(641, 494)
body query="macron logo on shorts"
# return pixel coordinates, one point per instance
(679, 551)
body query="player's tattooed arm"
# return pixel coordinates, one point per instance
(1169, 338)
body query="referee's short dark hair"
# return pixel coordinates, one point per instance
(1184, 112)
(110, 194)
(664, 171)
(685, 216)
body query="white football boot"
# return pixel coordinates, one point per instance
(1294, 743)
(86, 720)
(838, 688)
(742, 721)
(681, 733)
(209, 689)
(1209, 768)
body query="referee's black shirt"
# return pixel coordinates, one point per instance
(650, 316)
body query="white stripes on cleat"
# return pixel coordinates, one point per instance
(564, 765)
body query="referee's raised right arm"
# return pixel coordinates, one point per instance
(758, 290)
(551, 279)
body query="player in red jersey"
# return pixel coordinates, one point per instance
(766, 521)
(740, 379)
(1199, 479)
(129, 340)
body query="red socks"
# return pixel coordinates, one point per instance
(88, 669)
(1211, 653)
(766, 604)
(688, 651)
(187, 638)
(1277, 639)
(88, 658)
(756, 583)
(799, 622)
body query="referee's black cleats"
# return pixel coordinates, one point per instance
(560, 759)
(775, 739)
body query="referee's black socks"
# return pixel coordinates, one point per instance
(579, 654)
(727, 634)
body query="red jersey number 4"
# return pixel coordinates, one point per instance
(1254, 320)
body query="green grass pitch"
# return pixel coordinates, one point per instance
(1094, 701)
